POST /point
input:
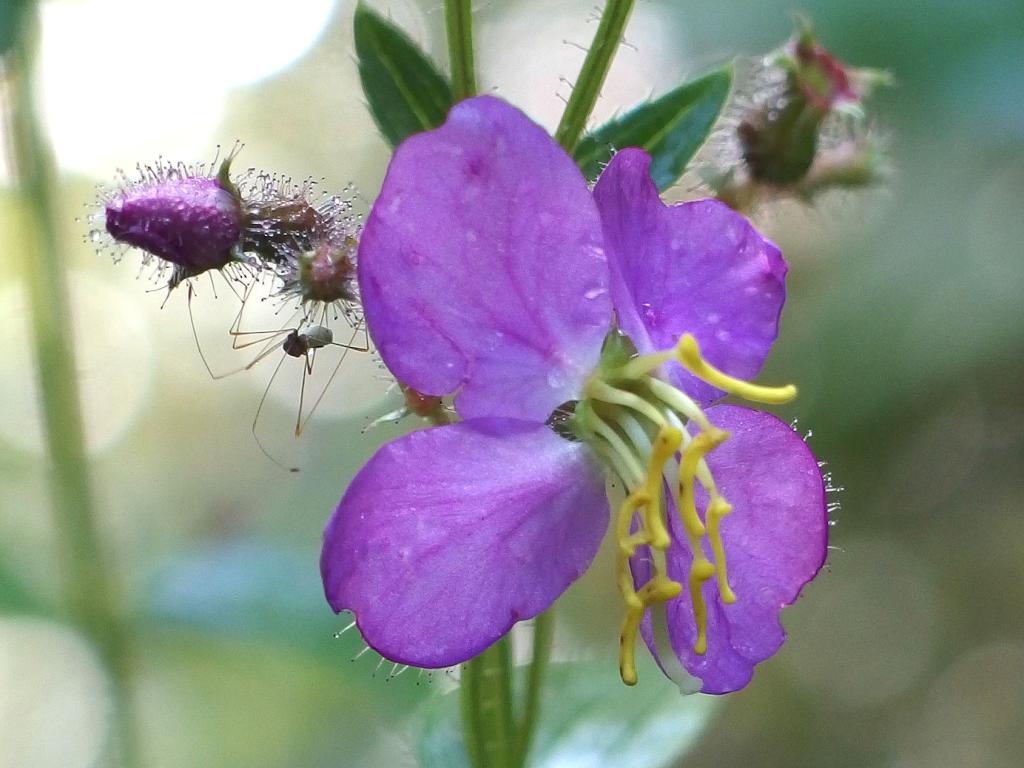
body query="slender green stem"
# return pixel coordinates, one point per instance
(543, 634)
(488, 724)
(87, 582)
(595, 70)
(458, 16)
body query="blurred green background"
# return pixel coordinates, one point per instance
(904, 329)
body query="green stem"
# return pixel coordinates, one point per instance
(488, 725)
(595, 70)
(543, 634)
(87, 582)
(458, 16)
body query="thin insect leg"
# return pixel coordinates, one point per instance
(306, 371)
(199, 346)
(256, 418)
(195, 334)
(237, 322)
(236, 329)
(264, 353)
(266, 337)
(345, 350)
(230, 283)
(266, 334)
(364, 346)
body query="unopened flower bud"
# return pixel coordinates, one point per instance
(191, 222)
(328, 272)
(780, 136)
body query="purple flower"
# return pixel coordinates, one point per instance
(569, 326)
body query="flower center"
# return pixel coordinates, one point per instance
(654, 437)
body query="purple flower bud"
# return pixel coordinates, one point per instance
(192, 222)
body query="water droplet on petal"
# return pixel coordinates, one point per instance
(556, 378)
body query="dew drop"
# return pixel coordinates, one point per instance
(95, 235)
(556, 378)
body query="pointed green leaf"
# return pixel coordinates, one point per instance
(671, 128)
(588, 719)
(405, 91)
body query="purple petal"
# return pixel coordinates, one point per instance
(482, 266)
(695, 267)
(775, 542)
(449, 536)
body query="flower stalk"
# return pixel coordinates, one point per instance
(543, 634)
(487, 713)
(87, 580)
(592, 75)
(458, 15)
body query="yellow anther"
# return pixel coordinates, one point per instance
(700, 571)
(627, 546)
(658, 590)
(648, 500)
(688, 354)
(692, 455)
(636, 500)
(627, 645)
(717, 509)
(664, 447)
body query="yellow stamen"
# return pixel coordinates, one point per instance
(688, 354)
(678, 400)
(637, 422)
(628, 544)
(692, 455)
(717, 509)
(609, 394)
(700, 569)
(619, 448)
(662, 449)
(647, 499)
(659, 589)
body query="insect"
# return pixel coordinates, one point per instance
(306, 335)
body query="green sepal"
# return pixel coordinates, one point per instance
(671, 128)
(224, 179)
(405, 92)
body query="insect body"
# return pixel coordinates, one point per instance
(298, 343)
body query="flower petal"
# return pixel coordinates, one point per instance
(482, 266)
(696, 267)
(449, 536)
(775, 542)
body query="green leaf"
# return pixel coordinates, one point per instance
(405, 91)
(671, 128)
(12, 18)
(588, 719)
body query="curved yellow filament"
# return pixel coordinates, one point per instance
(688, 354)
